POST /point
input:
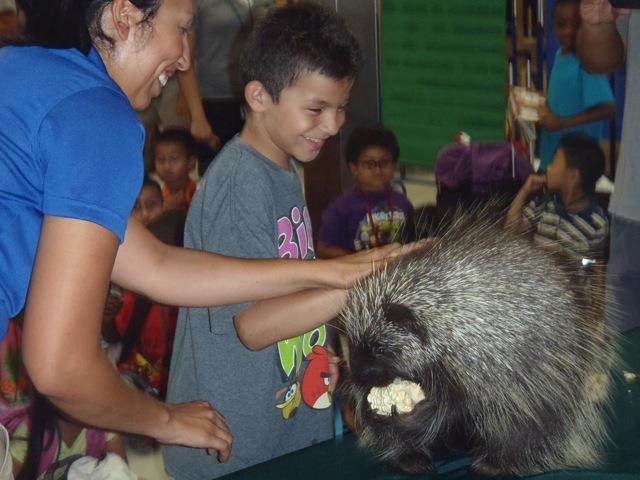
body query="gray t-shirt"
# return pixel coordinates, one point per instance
(275, 401)
(625, 201)
(221, 27)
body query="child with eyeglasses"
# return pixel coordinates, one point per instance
(372, 213)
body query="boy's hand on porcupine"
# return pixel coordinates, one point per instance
(366, 261)
(394, 250)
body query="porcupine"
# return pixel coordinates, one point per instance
(505, 343)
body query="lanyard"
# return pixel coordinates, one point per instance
(374, 228)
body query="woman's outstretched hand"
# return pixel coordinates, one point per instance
(199, 425)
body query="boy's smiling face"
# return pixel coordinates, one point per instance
(305, 116)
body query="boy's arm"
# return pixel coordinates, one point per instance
(599, 45)
(116, 445)
(324, 250)
(553, 123)
(269, 321)
(514, 221)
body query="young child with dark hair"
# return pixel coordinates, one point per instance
(298, 67)
(577, 101)
(568, 218)
(143, 328)
(373, 213)
(44, 441)
(149, 204)
(174, 158)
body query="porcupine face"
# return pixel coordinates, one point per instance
(391, 339)
(386, 348)
(392, 322)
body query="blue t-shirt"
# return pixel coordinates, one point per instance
(571, 91)
(70, 146)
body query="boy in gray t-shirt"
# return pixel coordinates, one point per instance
(268, 370)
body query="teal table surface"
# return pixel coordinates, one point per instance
(341, 458)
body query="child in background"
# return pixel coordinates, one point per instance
(144, 329)
(372, 213)
(175, 157)
(577, 101)
(44, 441)
(149, 204)
(298, 68)
(14, 380)
(570, 219)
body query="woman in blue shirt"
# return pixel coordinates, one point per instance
(70, 170)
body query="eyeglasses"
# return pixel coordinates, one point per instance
(371, 164)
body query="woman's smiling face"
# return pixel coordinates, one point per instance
(147, 54)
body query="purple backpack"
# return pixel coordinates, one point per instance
(485, 166)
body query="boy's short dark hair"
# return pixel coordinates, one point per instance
(583, 153)
(147, 181)
(364, 137)
(177, 135)
(295, 40)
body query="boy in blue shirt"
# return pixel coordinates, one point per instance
(298, 68)
(577, 101)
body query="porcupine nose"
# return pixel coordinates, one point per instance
(371, 374)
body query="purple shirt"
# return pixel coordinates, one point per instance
(347, 223)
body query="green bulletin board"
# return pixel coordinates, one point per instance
(443, 69)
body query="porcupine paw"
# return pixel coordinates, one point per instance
(482, 467)
(415, 462)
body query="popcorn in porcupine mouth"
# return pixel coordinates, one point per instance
(402, 394)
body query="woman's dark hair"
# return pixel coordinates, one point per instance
(364, 137)
(583, 153)
(295, 40)
(42, 420)
(71, 23)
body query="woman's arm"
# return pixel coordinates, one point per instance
(269, 321)
(61, 344)
(330, 251)
(184, 277)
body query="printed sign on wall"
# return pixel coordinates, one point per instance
(442, 70)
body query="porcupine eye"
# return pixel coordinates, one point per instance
(402, 318)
